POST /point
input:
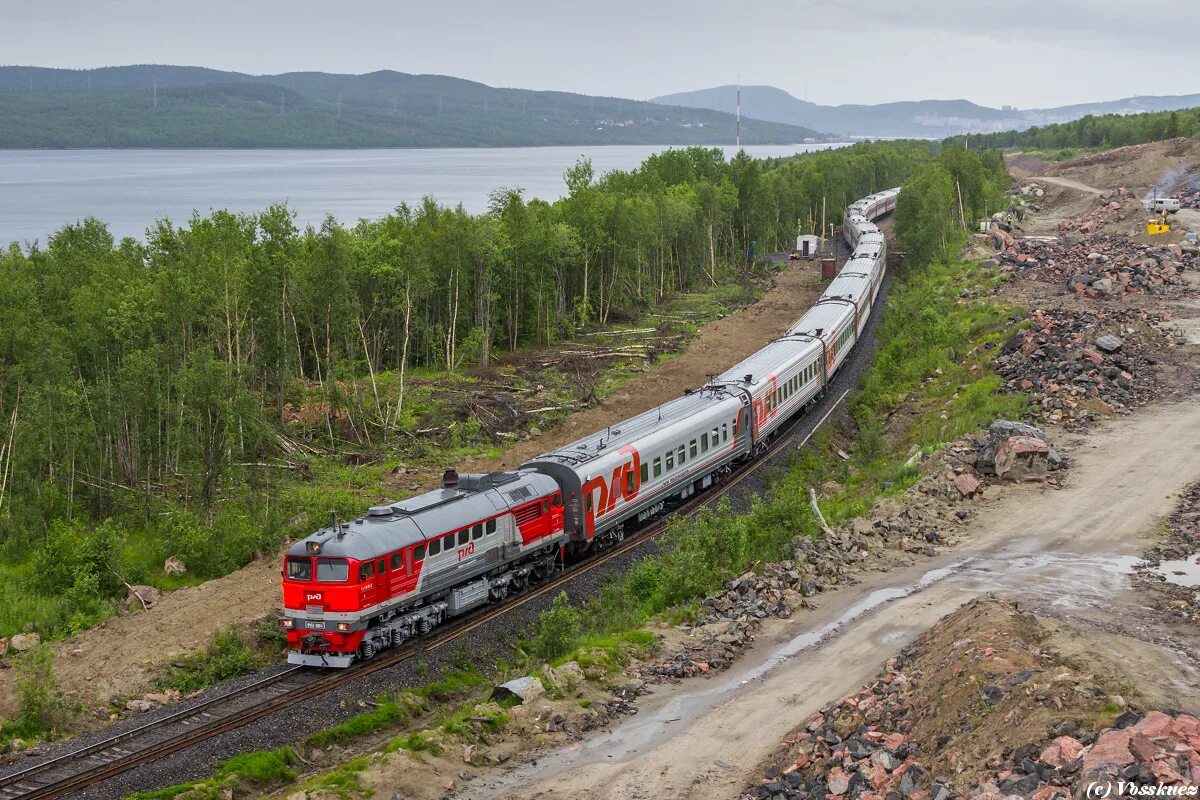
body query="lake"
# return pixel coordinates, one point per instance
(42, 190)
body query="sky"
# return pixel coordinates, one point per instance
(1026, 53)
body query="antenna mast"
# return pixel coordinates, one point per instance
(739, 113)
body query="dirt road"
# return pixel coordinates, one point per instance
(1064, 553)
(1069, 183)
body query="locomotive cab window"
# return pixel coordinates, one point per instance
(476, 531)
(366, 571)
(418, 554)
(435, 547)
(381, 566)
(332, 570)
(397, 561)
(464, 536)
(557, 500)
(299, 569)
(490, 527)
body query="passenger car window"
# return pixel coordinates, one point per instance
(704, 443)
(658, 467)
(645, 472)
(695, 451)
(299, 568)
(630, 480)
(670, 461)
(682, 455)
(332, 570)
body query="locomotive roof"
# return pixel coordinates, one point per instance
(616, 436)
(389, 527)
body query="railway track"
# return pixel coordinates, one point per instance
(93, 763)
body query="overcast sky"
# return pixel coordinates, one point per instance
(1028, 53)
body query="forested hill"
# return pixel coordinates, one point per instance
(169, 106)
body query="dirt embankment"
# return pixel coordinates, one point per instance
(986, 704)
(118, 659)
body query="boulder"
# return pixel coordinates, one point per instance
(1062, 750)
(967, 484)
(142, 597)
(139, 706)
(24, 641)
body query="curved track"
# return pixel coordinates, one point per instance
(89, 765)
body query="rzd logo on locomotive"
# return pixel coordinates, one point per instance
(626, 482)
(311, 596)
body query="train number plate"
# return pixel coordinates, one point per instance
(314, 625)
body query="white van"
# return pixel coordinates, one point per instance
(1168, 204)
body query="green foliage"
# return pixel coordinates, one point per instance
(255, 771)
(555, 629)
(230, 654)
(389, 714)
(1102, 132)
(343, 780)
(37, 694)
(416, 742)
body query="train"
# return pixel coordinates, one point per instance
(354, 588)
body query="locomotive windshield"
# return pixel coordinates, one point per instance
(332, 570)
(299, 569)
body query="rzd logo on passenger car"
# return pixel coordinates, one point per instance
(626, 482)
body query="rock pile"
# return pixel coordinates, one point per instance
(1007, 450)
(1074, 365)
(1108, 208)
(1100, 266)
(1157, 749)
(857, 748)
(1190, 198)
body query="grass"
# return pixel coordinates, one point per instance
(254, 772)
(389, 714)
(231, 653)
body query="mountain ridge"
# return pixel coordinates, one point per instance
(154, 105)
(919, 118)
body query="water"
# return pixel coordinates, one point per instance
(1184, 572)
(42, 190)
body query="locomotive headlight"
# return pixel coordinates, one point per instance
(343, 626)
(287, 623)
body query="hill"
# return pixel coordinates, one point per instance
(923, 118)
(170, 106)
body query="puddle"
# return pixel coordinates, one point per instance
(1184, 572)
